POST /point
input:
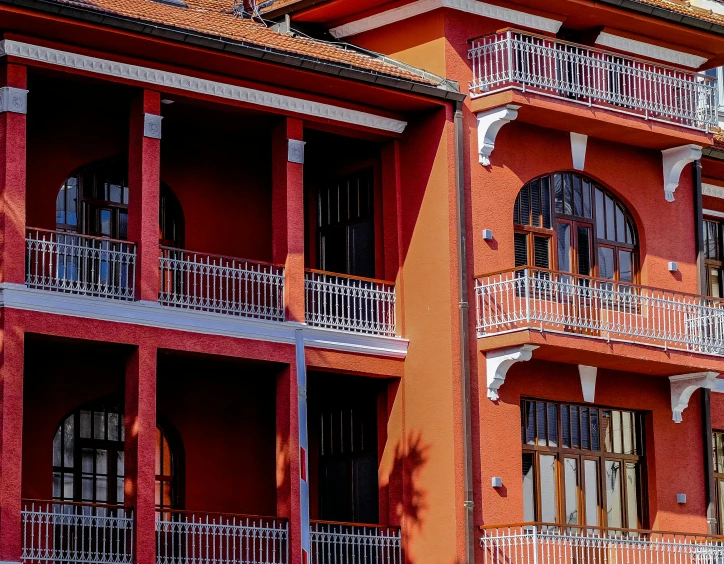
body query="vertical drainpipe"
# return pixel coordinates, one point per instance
(464, 334)
(705, 394)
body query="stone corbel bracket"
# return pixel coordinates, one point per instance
(674, 160)
(683, 386)
(498, 362)
(152, 126)
(13, 100)
(489, 124)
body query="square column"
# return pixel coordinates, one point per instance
(140, 449)
(12, 343)
(288, 212)
(13, 109)
(144, 181)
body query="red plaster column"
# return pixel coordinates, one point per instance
(288, 213)
(288, 459)
(144, 178)
(12, 173)
(140, 449)
(12, 343)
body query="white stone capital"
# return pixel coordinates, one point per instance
(683, 386)
(588, 382)
(13, 100)
(498, 362)
(152, 126)
(489, 124)
(295, 151)
(674, 160)
(578, 150)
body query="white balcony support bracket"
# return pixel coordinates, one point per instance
(499, 362)
(683, 386)
(489, 124)
(674, 160)
(588, 382)
(578, 150)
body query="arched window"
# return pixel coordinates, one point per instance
(568, 222)
(88, 461)
(94, 201)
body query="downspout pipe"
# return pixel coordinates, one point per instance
(463, 307)
(705, 394)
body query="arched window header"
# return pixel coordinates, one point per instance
(593, 232)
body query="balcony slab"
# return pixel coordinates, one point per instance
(612, 355)
(564, 115)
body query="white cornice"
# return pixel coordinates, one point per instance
(515, 17)
(164, 80)
(151, 314)
(712, 190)
(648, 50)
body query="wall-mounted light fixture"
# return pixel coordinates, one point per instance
(497, 482)
(680, 498)
(673, 266)
(487, 234)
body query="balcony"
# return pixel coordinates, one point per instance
(555, 544)
(541, 68)
(549, 302)
(332, 543)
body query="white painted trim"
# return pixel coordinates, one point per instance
(489, 124)
(588, 375)
(713, 213)
(152, 314)
(579, 143)
(682, 388)
(648, 50)
(712, 190)
(164, 80)
(718, 386)
(498, 362)
(515, 17)
(674, 160)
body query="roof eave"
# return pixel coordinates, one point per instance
(668, 15)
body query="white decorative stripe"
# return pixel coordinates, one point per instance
(649, 50)
(712, 190)
(515, 17)
(712, 213)
(165, 80)
(152, 314)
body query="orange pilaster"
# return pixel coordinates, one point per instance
(140, 449)
(144, 170)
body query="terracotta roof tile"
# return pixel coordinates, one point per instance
(685, 8)
(216, 18)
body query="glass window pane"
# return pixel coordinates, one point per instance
(105, 218)
(69, 441)
(567, 194)
(575, 427)
(545, 203)
(565, 426)
(120, 465)
(122, 225)
(67, 486)
(548, 487)
(605, 263)
(535, 202)
(571, 478)
(101, 461)
(120, 493)
(71, 217)
(552, 425)
(614, 510)
(60, 206)
(714, 283)
(101, 489)
(85, 424)
(585, 431)
(87, 489)
(629, 233)
(99, 425)
(586, 198)
(57, 488)
(592, 503)
(600, 216)
(625, 266)
(627, 429)
(595, 430)
(616, 420)
(57, 447)
(521, 249)
(87, 460)
(541, 253)
(620, 225)
(577, 196)
(558, 188)
(610, 215)
(166, 458)
(606, 424)
(564, 247)
(528, 488)
(529, 423)
(632, 506)
(584, 251)
(541, 417)
(112, 426)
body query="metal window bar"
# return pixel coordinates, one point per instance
(529, 62)
(80, 264)
(341, 543)
(348, 303)
(191, 538)
(76, 533)
(538, 299)
(215, 283)
(563, 544)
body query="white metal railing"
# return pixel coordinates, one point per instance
(220, 284)
(349, 303)
(80, 264)
(343, 543)
(74, 533)
(528, 62)
(530, 298)
(557, 544)
(189, 538)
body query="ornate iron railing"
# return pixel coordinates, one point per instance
(206, 282)
(563, 544)
(528, 62)
(342, 543)
(76, 533)
(545, 300)
(79, 264)
(350, 303)
(184, 537)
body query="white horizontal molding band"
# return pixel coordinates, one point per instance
(474, 7)
(636, 47)
(160, 79)
(713, 213)
(152, 314)
(712, 190)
